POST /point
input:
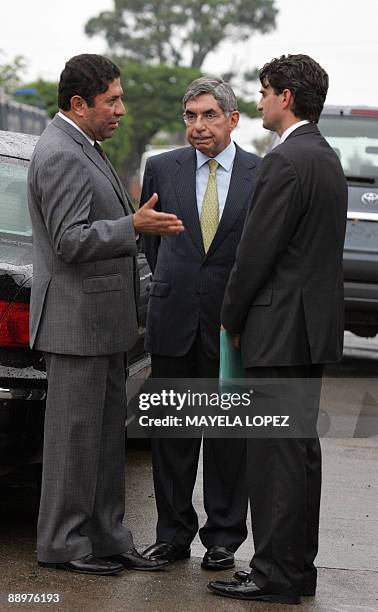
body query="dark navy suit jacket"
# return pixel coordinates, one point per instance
(188, 284)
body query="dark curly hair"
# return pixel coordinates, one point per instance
(306, 79)
(85, 75)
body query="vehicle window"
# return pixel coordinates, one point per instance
(14, 213)
(355, 140)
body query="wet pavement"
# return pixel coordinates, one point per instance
(348, 555)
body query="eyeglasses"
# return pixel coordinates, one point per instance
(207, 117)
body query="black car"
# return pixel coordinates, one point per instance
(22, 371)
(353, 133)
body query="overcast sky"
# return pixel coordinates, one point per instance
(340, 34)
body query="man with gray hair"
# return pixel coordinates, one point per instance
(209, 185)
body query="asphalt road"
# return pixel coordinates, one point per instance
(348, 556)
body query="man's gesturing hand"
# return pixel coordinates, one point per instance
(149, 221)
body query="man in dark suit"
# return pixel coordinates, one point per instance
(83, 317)
(284, 304)
(209, 185)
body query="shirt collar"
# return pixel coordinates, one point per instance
(225, 158)
(291, 129)
(62, 116)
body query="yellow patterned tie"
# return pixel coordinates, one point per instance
(210, 207)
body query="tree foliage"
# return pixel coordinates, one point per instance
(46, 95)
(179, 32)
(153, 97)
(11, 71)
(153, 40)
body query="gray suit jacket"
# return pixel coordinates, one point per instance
(82, 299)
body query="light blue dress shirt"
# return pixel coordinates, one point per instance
(225, 160)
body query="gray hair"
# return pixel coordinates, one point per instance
(221, 91)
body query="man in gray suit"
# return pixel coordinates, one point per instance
(83, 317)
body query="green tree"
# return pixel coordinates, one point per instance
(46, 92)
(153, 97)
(179, 32)
(10, 72)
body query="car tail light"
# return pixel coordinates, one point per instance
(14, 324)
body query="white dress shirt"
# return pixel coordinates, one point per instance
(62, 116)
(291, 129)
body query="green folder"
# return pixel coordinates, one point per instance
(231, 366)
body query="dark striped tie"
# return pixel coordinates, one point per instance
(100, 150)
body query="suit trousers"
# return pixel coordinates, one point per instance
(284, 482)
(82, 501)
(175, 464)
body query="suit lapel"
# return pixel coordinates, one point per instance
(239, 192)
(90, 152)
(107, 169)
(125, 196)
(184, 183)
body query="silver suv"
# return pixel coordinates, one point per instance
(353, 133)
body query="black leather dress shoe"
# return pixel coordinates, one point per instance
(242, 576)
(249, 591)
(87, 565)
(218, 558)
(166, 552)
(308, 588)
(135, 561)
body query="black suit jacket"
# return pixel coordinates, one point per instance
(285, 293)
(188, 284)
